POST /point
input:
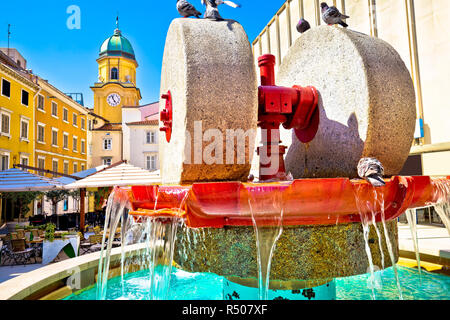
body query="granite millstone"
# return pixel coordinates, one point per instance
(302, 253)
(367, 103)
(208, 67)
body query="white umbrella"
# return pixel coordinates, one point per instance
(15, 180)
(122, 175)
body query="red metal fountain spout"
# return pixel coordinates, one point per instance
(294, 108)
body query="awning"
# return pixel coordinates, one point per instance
(15, 180)
(81, 175)
(122, 175)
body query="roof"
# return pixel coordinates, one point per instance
(15, 180)
(82, 175)
(117, 45)
(144, 123)
(110, 127)
(121, 175)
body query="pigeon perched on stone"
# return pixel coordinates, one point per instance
(303, 26)
(212, 12)
(332, 16)
(371, 170)
(187, 10)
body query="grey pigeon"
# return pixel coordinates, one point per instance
(371, 170)
(212, 11)
(303, 26)
(187, 10)
(332, 16)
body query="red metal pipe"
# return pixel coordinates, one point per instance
(303, 202)
(294, 108)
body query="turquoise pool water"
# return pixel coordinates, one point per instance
(204, 286)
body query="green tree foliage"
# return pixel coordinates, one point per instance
(56, 196)
(22, 200)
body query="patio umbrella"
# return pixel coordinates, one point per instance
(122, 175)
(117, 175)
(15, 180)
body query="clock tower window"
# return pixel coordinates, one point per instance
(114, 74)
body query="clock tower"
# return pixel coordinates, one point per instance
(116, 86)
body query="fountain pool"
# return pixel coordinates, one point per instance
(207, 286)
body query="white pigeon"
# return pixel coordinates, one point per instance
(212, 12)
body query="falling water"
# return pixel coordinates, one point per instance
(390, 248)
(266, 240)
(411, 217)
(361, 204)
(118, 204)
(148, 243)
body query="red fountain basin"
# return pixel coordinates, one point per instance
(301, 202)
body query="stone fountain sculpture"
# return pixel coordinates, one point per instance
(366, 103)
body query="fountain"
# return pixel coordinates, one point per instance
(286, 235)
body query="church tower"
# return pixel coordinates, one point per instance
(116, 86)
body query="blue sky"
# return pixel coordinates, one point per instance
(67, 58)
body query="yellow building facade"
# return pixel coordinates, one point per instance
(61, 130)
(416, 29)
(17, 94)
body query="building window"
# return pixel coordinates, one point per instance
(107, 144)
(55, 167)
(83, 123)
(107, 161)
(41, 102)
(83, 146)
(41, 165)
(151, 163)
(75, 167)
(66, 141)
(90, 125)
(24, 161)
(24, 130)
(65, 115)
(83, 167)
(41, 133)
(54, 137)
(4, 162)
(25, 98)
(151, 137)
(5, 124)
(54, 109)
(66, 167)
(75, 120)
(6, 88)
(75, 144)
(114, 74)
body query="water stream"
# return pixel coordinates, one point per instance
(266, 236)
(412, 222)
(147, 243)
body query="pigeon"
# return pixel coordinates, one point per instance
(371, 170)
(332, 16)
(303, 26)
(187, 10)
(212, 12)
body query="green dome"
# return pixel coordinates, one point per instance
(117, 46)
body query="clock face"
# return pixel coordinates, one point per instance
(113, 99)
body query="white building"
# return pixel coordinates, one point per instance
(140, 127)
